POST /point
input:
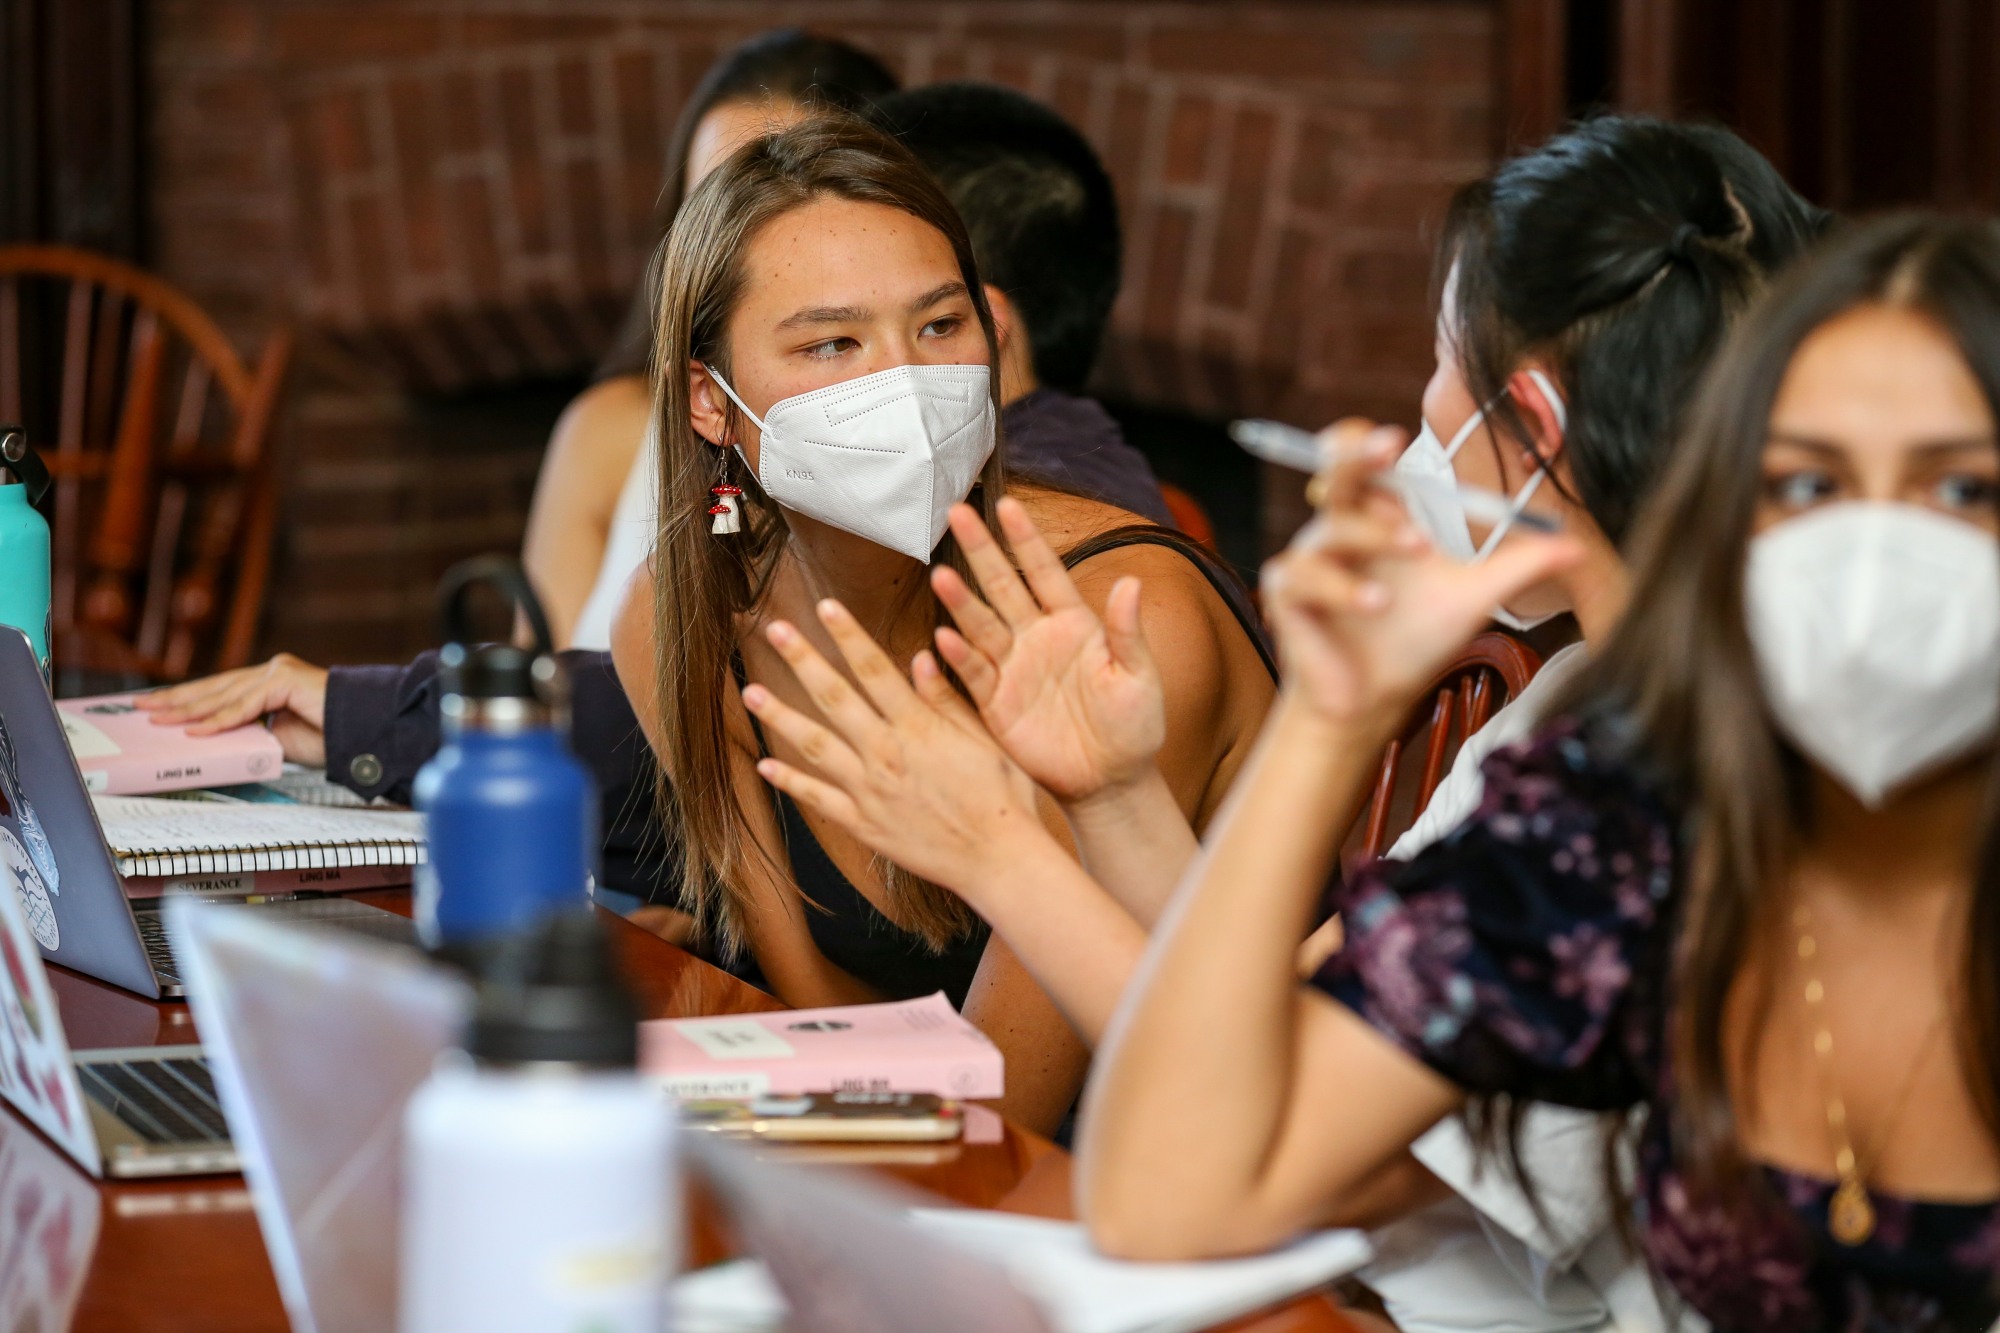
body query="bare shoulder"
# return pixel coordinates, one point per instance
(1067, 519)
(603, 426)
(1173, 583)
(1185, 620)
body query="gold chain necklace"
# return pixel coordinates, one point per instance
(1850, 1214)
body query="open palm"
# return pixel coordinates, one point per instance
(903, 765)
(1074, 700)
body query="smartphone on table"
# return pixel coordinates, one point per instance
(832, 1117)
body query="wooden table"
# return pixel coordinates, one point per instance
(187, 1255)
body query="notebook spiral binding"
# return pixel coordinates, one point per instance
(277, 856)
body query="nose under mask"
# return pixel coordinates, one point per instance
(1876, 628)
(884, 457)
(1431, 495)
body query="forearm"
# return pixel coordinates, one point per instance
(1136, 842)
(1079, 945)
(1200, 1064)
(381, 726)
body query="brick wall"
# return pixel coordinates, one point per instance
(450, 196)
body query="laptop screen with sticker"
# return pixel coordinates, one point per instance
(36, 1076)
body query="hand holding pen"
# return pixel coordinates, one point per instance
(1288, 446)
(1365, 610)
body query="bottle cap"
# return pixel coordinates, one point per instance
(495, 671)
(19, 460)
(557, 996)
(481, 671)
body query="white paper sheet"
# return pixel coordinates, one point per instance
(1080, 1290)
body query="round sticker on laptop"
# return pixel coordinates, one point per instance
(35, 904)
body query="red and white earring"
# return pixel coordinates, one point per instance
(727, 511)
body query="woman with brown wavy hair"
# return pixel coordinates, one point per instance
(824, 396)
(588, 525)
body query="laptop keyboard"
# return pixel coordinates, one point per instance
(153, 934)
(337, 913)
(163, 1101)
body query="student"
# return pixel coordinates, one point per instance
(1044, 225)
(1586, 283)
(591, 520)
(818, 256)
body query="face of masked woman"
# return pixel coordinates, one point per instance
(1457, 444)
(1872, 589)
(859, 372)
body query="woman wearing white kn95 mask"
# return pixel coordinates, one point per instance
(824, 397)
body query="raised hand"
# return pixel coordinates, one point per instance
(906, 768)
(1074, 700)
(1365, 611)
(288, 691)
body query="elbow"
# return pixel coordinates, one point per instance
(1143, 1239)
(1151, 1225)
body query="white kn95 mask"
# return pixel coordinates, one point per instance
(1876, 628)
(1431, 495)
(884, 457)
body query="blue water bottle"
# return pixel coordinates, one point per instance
(24, 542)
(511, 814)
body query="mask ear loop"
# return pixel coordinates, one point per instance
(1465, 432)
(1534, 483)
(743, 406)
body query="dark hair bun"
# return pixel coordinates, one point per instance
(1617, 252)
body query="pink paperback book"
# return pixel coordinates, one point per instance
(907, 1046)
(121, 753)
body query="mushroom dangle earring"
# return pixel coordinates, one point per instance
(727, 511)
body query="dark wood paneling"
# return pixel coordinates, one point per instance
(1534, 84)
(73, 98)
(1863, 104)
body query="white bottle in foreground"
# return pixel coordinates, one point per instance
(540, 1191)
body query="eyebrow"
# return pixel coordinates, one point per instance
(1948, 445)
(824, 314)
(944, 291)
(854, 314)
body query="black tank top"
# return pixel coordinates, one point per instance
(849, 929)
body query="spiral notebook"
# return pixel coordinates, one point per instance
(156, 836)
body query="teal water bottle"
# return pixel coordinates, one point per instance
(24, 542)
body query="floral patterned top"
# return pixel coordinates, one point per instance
(1526, 954)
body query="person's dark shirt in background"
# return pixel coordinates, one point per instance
(1070, 443)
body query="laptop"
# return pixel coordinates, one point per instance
(53, 1213)
(126, 1113)
(74, 898)
(318, 1038)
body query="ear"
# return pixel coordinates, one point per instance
(1006, 326)
(708, 406)
(1534, 391)
(1016, 367)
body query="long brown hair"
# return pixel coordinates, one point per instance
(1676, 690)
(704, 584)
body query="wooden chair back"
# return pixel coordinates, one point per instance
(159, 440)
(1492, 670)
(1189, 516)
